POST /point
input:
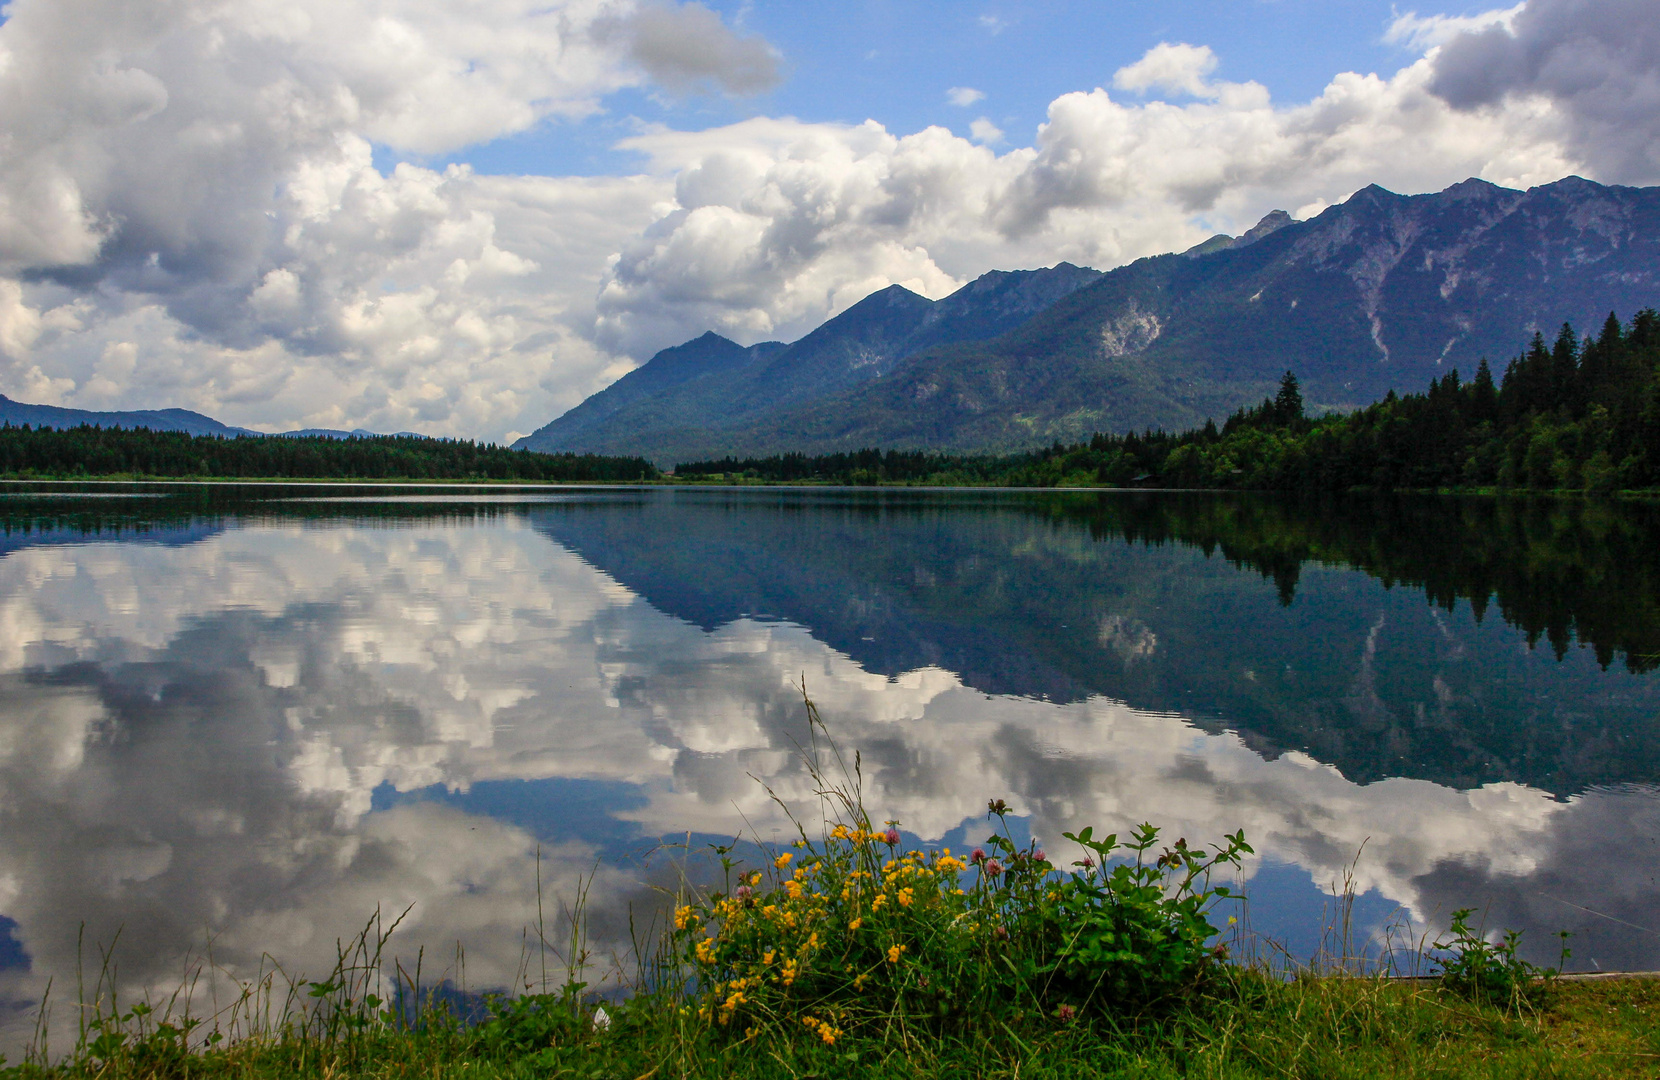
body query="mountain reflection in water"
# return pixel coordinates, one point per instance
(228, 711)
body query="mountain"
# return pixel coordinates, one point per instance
(18, 413)
(1382, 292)
(712, 392)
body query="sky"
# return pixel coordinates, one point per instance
(461, 217)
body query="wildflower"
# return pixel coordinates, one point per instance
(754, 878)
(993, 867)
(1086, 862)
(823, 1028)
(1232, 920)
(683, 917)
(894, 952)
(744, 892)
(1065, 1013)
(891, 837)
(801, 843)
(793, 888)
(997, 806)
(949, 865)
(876, 904)
(906, 896)
(855, 924)
(1039, 856)
(783, 860)
(705, 952)
(977, 856)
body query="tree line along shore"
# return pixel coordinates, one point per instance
(1576, 414)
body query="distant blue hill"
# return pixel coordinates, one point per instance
(18, 413)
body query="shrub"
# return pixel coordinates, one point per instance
(850, 930)
(1487, 971)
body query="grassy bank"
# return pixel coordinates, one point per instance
(1247, 1025)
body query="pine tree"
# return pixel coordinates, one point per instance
(1288, 403)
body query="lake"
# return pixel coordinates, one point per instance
(241, 719)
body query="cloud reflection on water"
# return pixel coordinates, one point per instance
(192, 738)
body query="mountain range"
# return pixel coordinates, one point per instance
(18, 413)
(1381, 292)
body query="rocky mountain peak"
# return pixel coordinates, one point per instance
(1271, 222)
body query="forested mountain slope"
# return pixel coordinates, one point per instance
(710, 392)
(1383, 292)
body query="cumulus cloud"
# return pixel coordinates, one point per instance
(1424, 32)
(688, 48)
(777, 224)
(1597, 61)
(198, 182)
(964, 96)
(1176, 68)
(985, 132)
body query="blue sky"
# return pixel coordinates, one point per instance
(893, 62)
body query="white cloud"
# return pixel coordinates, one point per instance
(197, 180)
(985, 132)
(1175, 68)
(778, 224)
(964, 96)
(686, 48)
(1596, 61)
(1428, 31)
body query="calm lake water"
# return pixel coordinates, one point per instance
(252, 715)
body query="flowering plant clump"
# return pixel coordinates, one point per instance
(851, 928)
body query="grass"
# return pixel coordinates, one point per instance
(841, 955)
(1252, 1026)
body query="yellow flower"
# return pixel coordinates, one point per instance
(876, 904)
(706, 951)
(893, 953)
(754, 878)
(766, 957)
(906, 896)
(683, 917)
(783, 860)
(855, 924)
(793, 888)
